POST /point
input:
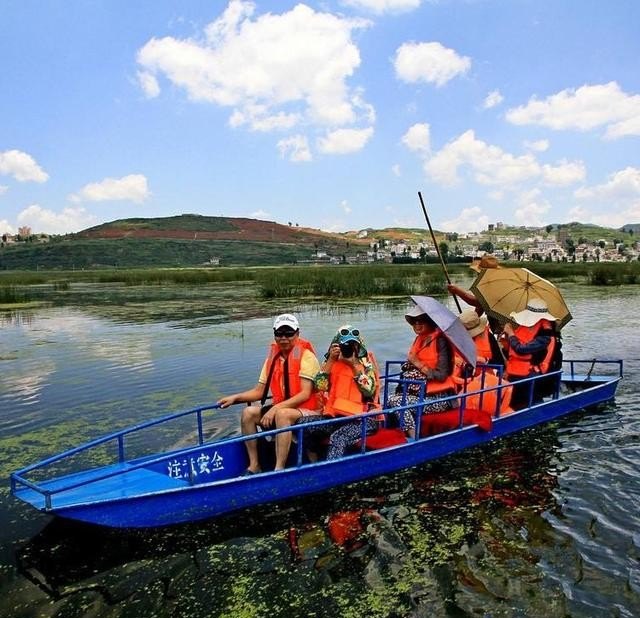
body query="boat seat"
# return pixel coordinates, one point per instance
(432, 424)
(383, 438)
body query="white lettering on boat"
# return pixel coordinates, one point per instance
(193, 467)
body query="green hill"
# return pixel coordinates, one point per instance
(181, 241)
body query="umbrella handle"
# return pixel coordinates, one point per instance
(433, 237)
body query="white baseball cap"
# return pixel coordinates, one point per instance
(286, 319)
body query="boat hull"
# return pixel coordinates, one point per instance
(185, 502)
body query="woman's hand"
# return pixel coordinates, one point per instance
(508, 330)
(334, 352)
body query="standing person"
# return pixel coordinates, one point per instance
(350, 382)
(486, 261)
(430, 360)
(288, 371)
(531, 346)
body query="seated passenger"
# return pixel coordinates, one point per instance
(288, 370)
(349, 381)
(429, 361)
(487, 348)
(531, 346)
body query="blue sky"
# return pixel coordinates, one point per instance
(329, 114)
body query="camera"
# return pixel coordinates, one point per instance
(347, 349)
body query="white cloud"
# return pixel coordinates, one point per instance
(21, 166)
(296, 148)
(532, 209)
(418, 138)
(608, 217)
(396, 170)
(539, 146)
(291, 65)
(149, 84)
(493, 99)
(3, 189)
(429, 62)
(131, 188)
(622, 186)
(469, 220)
(384, 6)
(49, 222)
(345, 207)
(565, 173)
(6, 228)
(490, 164)
(344, 141)
(583, 109)
(260, 214)
(259, 118)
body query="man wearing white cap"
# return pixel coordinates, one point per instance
(531, 346)
(288, 371)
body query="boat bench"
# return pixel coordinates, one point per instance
(430, 425)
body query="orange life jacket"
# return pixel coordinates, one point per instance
(483, 353)
(294, 360)
(344, 397)
(483, 347)
(426, 349)
(488, 401)
(522, 364)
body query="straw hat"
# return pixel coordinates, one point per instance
(473, 322)
(535, 311)
(486, 261)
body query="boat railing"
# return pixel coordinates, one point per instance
(391, 377)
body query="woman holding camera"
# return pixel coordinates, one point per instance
(349, 380)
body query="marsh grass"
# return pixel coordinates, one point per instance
(10, 294)
(615, 274)
(350, 281)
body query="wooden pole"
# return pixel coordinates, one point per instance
(433, 236)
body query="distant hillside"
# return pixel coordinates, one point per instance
(199, 227)
(195, 240)
(181, 241)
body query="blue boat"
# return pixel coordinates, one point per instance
(205, 479)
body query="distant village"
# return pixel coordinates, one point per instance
(550, 246)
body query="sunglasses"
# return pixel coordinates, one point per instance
(345, 331)
(284, 333)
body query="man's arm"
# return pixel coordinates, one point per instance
(253, 394)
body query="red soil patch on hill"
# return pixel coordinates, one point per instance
(244, 229)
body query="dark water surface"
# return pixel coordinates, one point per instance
(546, 523)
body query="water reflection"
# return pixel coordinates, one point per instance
(450, 536)
(544, 524)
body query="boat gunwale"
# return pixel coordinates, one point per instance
(595, 382)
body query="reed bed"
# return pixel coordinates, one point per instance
(615, 274)
(10, 294)
(350, 281)
(137, 276)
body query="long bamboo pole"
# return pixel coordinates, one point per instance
(433, 237)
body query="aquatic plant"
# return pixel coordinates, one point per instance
(350, 281)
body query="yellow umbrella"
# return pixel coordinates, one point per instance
(501, 291)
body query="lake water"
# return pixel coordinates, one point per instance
(545, 523)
